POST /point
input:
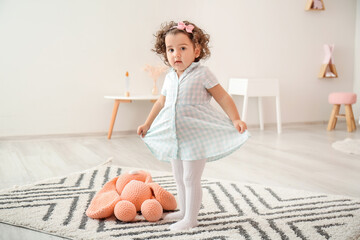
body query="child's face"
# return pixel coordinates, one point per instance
(180, 51)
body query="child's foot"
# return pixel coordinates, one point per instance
(174, 216)
(183, 225)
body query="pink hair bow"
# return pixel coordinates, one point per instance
(183, 26)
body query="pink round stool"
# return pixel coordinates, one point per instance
(337, 99)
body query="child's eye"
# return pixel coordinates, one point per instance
(183, 48)
(170, 50)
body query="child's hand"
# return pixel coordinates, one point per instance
(142, 130)
(240, 125)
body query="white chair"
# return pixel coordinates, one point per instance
(260, 87)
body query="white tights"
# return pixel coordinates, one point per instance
(188, 182)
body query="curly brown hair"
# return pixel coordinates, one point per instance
(198, 37)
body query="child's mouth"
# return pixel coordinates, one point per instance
(178, 62)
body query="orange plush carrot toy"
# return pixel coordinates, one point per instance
(129, 193)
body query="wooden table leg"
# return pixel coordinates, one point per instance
(114, 113)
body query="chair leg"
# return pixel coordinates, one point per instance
(333, 119)
(350, 122)
(244, 111)
(278, 114)
(261, 118)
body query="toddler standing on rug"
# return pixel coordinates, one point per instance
(182, 126)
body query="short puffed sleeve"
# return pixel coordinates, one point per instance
(210, 79)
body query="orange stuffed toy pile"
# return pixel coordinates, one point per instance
(128, 194)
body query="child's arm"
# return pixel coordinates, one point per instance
(158, 105)
(228, 105)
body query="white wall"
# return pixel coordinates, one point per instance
(356, 107)
(59, 58)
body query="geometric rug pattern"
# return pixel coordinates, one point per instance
(229, 210)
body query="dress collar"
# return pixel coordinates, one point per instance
(189, 68)
(192, 66)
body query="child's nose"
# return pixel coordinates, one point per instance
(177, 54)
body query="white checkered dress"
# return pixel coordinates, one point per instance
(188, 127)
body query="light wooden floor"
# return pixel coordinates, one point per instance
(300, 158)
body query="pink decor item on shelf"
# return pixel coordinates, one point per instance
(329, 50)
(317, 4)
(328, 69)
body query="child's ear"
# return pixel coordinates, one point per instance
(197, 51)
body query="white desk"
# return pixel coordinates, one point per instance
(260, 87)
(123, 99)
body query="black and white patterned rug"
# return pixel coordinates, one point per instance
(230, 210)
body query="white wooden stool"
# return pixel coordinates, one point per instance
(260, 87)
